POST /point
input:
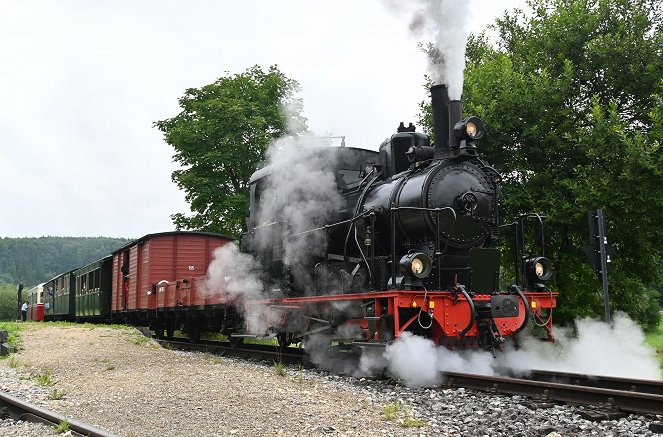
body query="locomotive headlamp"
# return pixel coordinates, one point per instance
(472, 128)
(417, 264)
(539, 268)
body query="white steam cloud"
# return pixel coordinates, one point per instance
(445, 23)
(614, 349)
(303, 195)
(231, 271)
(300, 194)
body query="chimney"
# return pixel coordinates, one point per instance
(441, 123)
(455, 115)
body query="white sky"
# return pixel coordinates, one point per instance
(82, 82)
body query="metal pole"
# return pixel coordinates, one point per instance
(392, 218)
(372, 273)
(603, 241)
(19, 290)
(438, 253)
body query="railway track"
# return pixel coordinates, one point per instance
(18, 409)
(610, 395)
(287, 355)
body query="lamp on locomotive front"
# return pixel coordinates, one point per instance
(467, 132)
(538, 270)
(414, 267)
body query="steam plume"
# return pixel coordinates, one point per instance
(615, 349)
(445, 23)
(303, 195)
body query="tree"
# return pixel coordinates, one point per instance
(221, 136)
(571, 96)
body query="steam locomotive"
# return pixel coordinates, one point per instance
(411, 246)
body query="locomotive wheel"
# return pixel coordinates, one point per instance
(158, 328)
(170, 329)
(194, 332)
(235, 341)
(283, 340)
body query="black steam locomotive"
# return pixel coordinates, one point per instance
(414, 216)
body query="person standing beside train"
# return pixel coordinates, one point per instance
(24, 310)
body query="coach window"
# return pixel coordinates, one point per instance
(95, 280)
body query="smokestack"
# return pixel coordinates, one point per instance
(455, 115)
(441, 121)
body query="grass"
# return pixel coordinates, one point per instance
(391, 410)
(139, 339)
(91, 326)
(43, 379)
(56, 394)
(396, 412)
(14, 362)
(61, 427)
(279, 368)
(655, 340)
(13, 329)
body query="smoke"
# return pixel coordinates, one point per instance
(612, 349)
(445, 23)
(232, 271)
(302, 194)
(598, 348)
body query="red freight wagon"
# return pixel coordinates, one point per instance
(141, 265)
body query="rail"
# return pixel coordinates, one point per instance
(22, 410)
(607, 398)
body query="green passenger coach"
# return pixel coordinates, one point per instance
(59, 296)
(93, 290)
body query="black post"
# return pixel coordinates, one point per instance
(372, 273)
(392, 217)
(599, 252)
(19, 292)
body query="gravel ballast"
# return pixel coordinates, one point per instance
(125, 383)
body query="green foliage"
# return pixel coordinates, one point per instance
(655, 340)
(62, 426)
(279, 368)
(221, 136)
(396, 412)
(31, 261)
(8, 302)
(391, 410)
(56, 394)
(43, 379)
(571, 96)
(13, 330)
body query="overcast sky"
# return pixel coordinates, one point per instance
(83, 81)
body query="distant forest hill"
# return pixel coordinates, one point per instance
(31, 261)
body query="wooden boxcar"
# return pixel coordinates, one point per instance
(36, 303)
(59, 294)
(140, 266)
(93, 290)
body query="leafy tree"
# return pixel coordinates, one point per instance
(571, 95)
(8, 302)
(221, 136)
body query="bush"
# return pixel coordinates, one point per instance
(8, 302)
